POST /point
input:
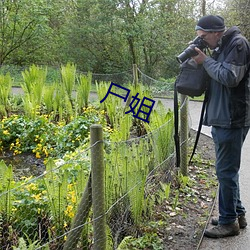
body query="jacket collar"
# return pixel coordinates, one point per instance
(231, 32)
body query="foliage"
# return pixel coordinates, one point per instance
(161, 126)
(23, 28)
(106, 36)
(5, 90)
(34, 81)
(51, 200)
(22, 245)
(43, 137)
(147, 241)
(83, 90)
(68, 74)
(6, 184)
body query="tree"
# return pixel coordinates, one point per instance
(237, 12)
(21, 21)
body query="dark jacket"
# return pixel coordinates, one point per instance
(228, 103)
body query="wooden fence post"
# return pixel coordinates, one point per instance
(184, 135)
(98, 195)
(135, 74)
(80, 218)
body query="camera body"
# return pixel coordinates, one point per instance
(190, 51)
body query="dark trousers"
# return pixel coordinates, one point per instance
(228, 145)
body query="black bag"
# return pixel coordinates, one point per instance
(192, 80)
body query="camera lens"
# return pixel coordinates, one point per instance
(190, 51)
(187, 53)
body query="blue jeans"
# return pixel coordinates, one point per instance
(228, 145)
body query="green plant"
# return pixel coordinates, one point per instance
(5, 90)
(28, 244)
(30, 207)
(126, 172)
(161, 127)
(48, 98)
(164, 191)
(34, 81)
(68, 74)
(6, 184)
(102, 90)
(176, 199)
(112, 104)
(184, 181)
(83, 91)
(147, 241)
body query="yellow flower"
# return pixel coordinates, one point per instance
(69, 211)
(6, 132)
(38, 156)
(73, 199)
(31, 187)
(37, 196)
(14, 209)
(45, 151)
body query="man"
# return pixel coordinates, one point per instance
(228, 112)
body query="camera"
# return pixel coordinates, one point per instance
(190, 51)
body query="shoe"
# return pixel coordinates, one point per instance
(241, 219)
(221, 231)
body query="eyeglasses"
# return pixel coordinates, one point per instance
(203, 36)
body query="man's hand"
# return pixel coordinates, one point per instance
(200, 58)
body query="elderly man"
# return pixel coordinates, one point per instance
(228, 112)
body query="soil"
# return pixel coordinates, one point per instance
(25, 164)
(187, 222)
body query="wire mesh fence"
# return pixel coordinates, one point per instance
(46, 210)
(55, 210)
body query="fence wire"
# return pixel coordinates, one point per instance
(47, 204)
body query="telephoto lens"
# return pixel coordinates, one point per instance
(190, 50)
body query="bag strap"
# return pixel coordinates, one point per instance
(176, 126)
(199, 127)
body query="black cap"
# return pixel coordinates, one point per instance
(210, 23)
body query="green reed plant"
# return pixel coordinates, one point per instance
(62, 106)
(5, 90)
(142, 92)
(83, 90)
(102, 90)
(68, 74)
(161, 127)
(33, 85)
(6, 184)
(65, 181)
(112, 104)
(137, 180)
(48, 98)
(126, 171)
(56, 184)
